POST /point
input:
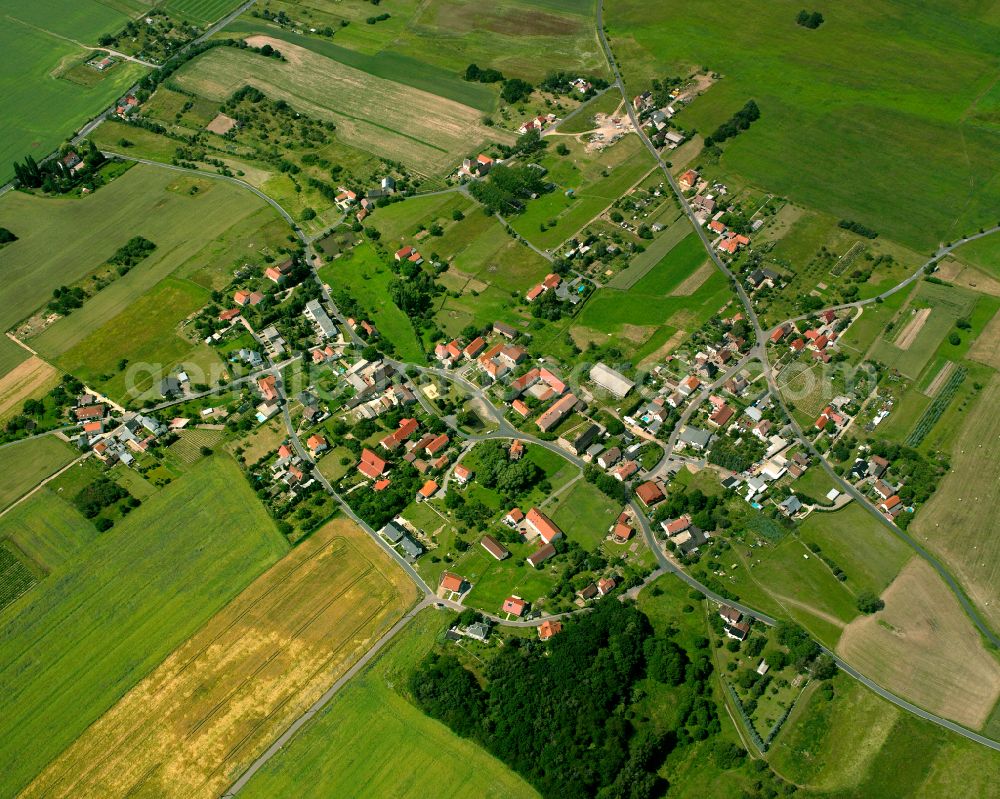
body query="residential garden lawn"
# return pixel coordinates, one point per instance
(869, 554)
(391, 120)
(858, 744)
(104, 618)
(814, 484)
(190, 230)
(146, 334)
(47, 530)
(583, 513)
(363, 274)
(828, 116)
(24, 464)
(923, 646)
(629, 319)
(493, 581)
(371, 741)
(35, 40)
(591, 192)
(331, 467)
(957, 522)
(308, 619)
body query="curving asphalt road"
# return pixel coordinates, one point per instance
(760, 352)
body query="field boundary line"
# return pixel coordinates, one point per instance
(330, 693)
(99, 764)
(277, 651)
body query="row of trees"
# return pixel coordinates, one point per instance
(737, 123)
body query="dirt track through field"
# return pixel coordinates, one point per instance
(912, 329)
(924, 648)
(940, 379)
(203, 715)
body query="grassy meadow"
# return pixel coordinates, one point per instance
(858, 745)
(371, 741)
(109, 613)
(958, 522)
(362, 273)
(199, 12)
(426, 131)
(26, 463)
(630, 319)
(36, 41)
(429, 44)
(924, 647)
(62, 240)
(870, 117)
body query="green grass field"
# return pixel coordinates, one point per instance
(27, 463)
(858, 745)
(201, 12)
(49, 108)
(101, 620)
(11, 355)
(880, 101)
(584, 514)
(370, 741)
(583, 120)
(366, 278)
(947, 304)
(48, 530)
(155, 203)
(632, 317)
(868, 553)
(145, 334)
(434, 41)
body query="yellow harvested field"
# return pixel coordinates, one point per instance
(30, 379)
(923, 647)
(909, 333)
(191, 727)
(384, 117)
(693, 281)
(986, 347)
(959, 521)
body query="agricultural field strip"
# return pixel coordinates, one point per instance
(261, 605)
